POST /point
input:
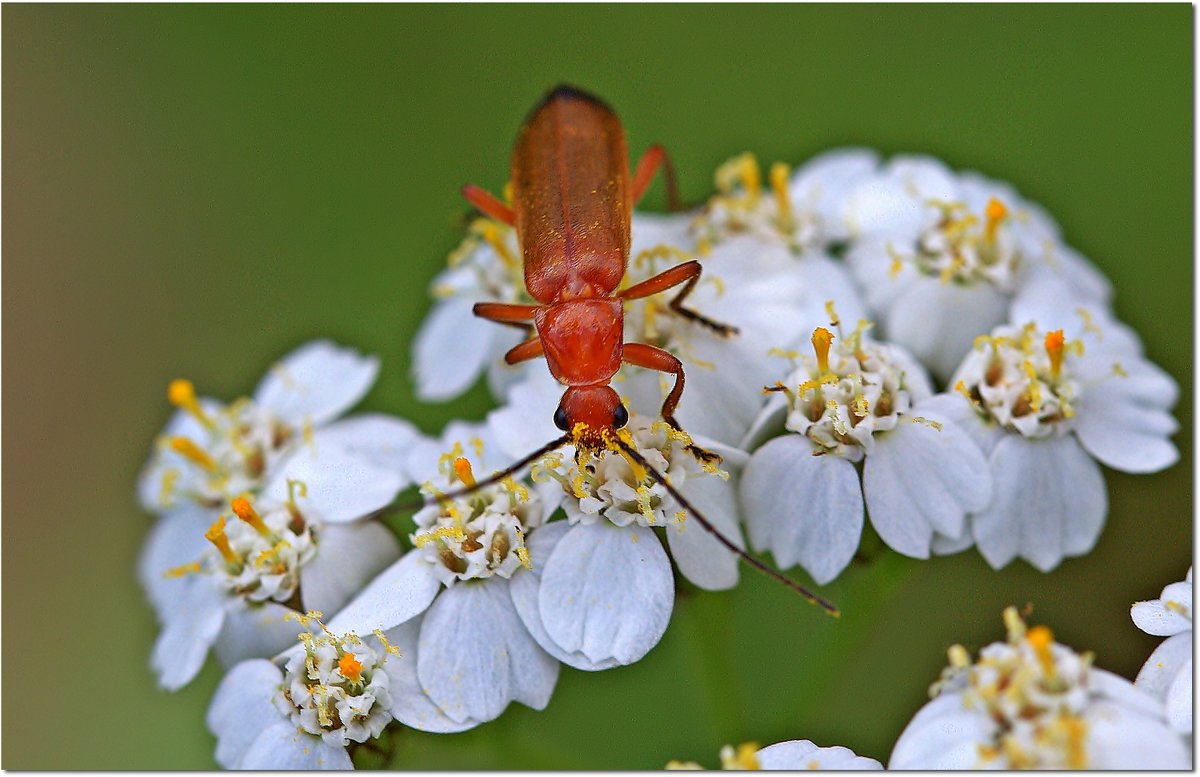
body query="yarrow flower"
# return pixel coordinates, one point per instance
(1031, 703)
(857, 401)
(1042, 404)
(335, 690)
(448, 603)
(794, 755)
(604, 594)
(1167, 673)
(941, 256)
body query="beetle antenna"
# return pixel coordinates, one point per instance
(508, 471)
(721, 538)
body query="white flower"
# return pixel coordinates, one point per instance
(210, 452)
(803, 211)
(1042, 404)
(333, 690)
(1030, 703)
(857, 401)
(941, 256)
(793, 755)
(1167, 674)
(448, 604)
(257, 568)
(603, 595)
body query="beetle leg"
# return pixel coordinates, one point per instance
(488, 204)
(517, 316)
(652, 358)
(655, 156)
(523, 352)
(688, 274)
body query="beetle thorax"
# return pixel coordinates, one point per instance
(582, 339)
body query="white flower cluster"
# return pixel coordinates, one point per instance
(972, 412)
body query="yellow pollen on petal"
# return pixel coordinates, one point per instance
(822, 338)
(350, 667)
(388, 646)
(194, 453)
(242, 509)
(462, 468)
(995, 212)
(443, 532)
(778, 176)
(1040, 638)
(216, 535)
(839, 425)
(183, 570)
(917, 419)
(182, 394)
(1054, 347)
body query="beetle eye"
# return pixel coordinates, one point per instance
(560, 419)
(620, 417)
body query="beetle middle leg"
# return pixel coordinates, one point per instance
(489, 204)
(688, 274)
(647, 166)
(652, 358)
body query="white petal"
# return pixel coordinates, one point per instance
(192, 625)
(242, 707)
(284, 747)
(938, 321)
(316, 383)
(1162, 667)
(607, 592)
(803, 508)
(1126, 438)
(256, 631)
(525, 587)
(348, 555)
(1119, 737)
(801, 754)
(769, 421)
(1050, 502)
(175, 539)
(1154, 617)
(150, 490)
(338, 486)
(400, 592)
(955, 407)
(451, 349)
(699, 556)
(475, 656)
(1179, 700)
(942, 735)
(824, 183)
(410, 705)
(919, 480)
(527, 422)
(382, 440)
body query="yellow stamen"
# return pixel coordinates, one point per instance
(959, 657)
(1013, 625)
(169, 478)
(1054, 347)
(779, 185)
(462, 468)
(191, 451)
(446, 460)
(1076, 742)
(995, 213)
(1035, 388)
(388, 646)
(745, 758)
(242, 509)
(216, 535)
(350, 667)
(182, 394)
(1041, 639)
(917, 419)
(741, 169)
(822, 338)
(444, 532)
(831, 311)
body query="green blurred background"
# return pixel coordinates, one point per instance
(191, 191)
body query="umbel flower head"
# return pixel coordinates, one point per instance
(942, 256)
(1045, 406)
(857, 401)
(794, 755)
(333, 690)
(449, 603)
(1031, 703)
(1167, 673)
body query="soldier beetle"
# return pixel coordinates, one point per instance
(572, 205)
